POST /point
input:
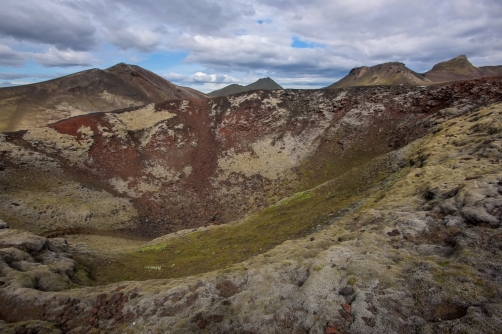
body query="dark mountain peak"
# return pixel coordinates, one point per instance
(262, 83)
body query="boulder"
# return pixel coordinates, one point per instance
(3, 225)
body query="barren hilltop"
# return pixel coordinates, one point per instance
(90, 91)
(372, 209)
(394, 74)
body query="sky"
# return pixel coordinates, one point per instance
(209, 44)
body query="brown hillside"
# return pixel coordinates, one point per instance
(458, 68)
(120, 86)
(492, 70)
(387, 74)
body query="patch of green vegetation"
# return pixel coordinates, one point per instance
(153, 267)
(154, 248)
(296, 197)
(221, 246)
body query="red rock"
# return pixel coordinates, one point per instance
(202, 324)
(94, 310)
(121, 288)
(330, 330)
(130, 316)
(346, 307)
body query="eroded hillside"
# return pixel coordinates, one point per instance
(191, 163)
(120, 86)
(415, 247)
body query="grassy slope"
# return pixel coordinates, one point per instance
(368, 187)
(221, 246)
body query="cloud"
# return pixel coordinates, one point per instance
(201, 78)
(129, 38)
(252, 52)
(47, 22)
(196, 16)
(9, 57)
(61, 58)
(15, 76)
(314, 41)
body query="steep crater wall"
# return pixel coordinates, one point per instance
(189, 163)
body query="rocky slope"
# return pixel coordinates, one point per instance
(120, 86)
(190, 163)
(263, 83)
(382, 214)
(420, 253)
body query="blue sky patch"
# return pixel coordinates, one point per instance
(299, 44)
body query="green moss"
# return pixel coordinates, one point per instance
(154, 248)
(224, 245)
(296, 197)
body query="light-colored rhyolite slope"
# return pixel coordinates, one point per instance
(421, 252)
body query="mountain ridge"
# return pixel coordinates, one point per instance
(262, 83)
(119, 86)
(396, 73)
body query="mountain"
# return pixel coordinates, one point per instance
(458, 68)
(492, 70)
(263, 83)
(356, 210)
(120, 86)
(387, 74)
(395, 74)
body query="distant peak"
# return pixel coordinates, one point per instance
(118, 66)
(455, 63)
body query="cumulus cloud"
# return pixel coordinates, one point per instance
(9, 57)
(61, 58)
(253, 37)
(47, 22)
(201, 78)
(196, 16)
(249, 52)
(129, 38)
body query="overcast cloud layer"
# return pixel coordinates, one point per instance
(209, 44)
